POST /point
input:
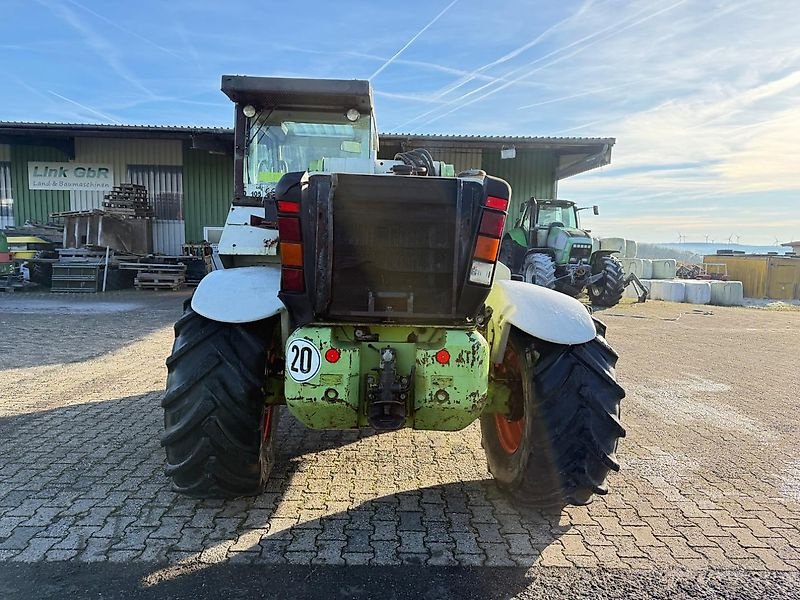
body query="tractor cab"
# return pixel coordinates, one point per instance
(540, 217)
(289, 125)
(286, 125)
(551, 226)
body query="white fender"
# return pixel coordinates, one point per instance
(539, 312)
(239, 295)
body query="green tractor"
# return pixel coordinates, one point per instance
(6, 264)
(547, 247)
(366, 293)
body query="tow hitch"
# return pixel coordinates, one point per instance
(387, 393)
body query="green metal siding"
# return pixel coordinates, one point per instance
(208, 183)
(35, 205)
(531, 173)
(207, 191)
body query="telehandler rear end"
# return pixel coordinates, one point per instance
(362, 292)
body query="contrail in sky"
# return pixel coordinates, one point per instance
(84, 107)
(411, 41)
(124, 29)
(516, 52)
(616, 28)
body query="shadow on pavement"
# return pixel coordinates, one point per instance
(40, 329)
(408, 582)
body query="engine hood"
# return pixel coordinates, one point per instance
(573, 233)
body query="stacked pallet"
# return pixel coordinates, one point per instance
(161, 277)
(128, 201)
(157, 275)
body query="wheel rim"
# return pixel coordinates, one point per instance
(266, 425)
(509, 430)
(530, 274)
(509, 433)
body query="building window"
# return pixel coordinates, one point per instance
(164, 189)
(6, 196)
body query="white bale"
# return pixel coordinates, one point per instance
(669, 291)
(664, 268)
(727, 293)
(630, 249)
(629, 265)
(616, 244)
(697, 292)
(641, 267)
(647, 268)
(632, 265)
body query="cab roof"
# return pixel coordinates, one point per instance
(297, 93)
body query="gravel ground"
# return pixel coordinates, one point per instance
(707, 503)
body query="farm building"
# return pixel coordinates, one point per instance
(188, 171)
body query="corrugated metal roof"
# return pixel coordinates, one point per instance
(193, 129)
(112, 127)
(500, 138)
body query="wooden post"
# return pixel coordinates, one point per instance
(105, 271)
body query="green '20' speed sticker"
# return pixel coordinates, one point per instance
(302, 360)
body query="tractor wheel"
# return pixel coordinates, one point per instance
(539, 269)
(608, 291)
(557, 443)
(218, 433)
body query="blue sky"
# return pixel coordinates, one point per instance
(703, 96)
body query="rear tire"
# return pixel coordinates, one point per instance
(608, 291)
(558, 442)
(539, 269)
(218, 432)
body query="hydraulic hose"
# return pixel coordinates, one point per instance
(417, 158)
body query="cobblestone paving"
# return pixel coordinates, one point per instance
(710, 469)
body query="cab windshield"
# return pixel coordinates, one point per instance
(287, 142)
(552, 213)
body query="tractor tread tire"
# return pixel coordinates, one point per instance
(611, 287)
(213, 409)
(569, 446)
(540, 269)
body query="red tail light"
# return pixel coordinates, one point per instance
(291, 247)
(487, 244)
(492, 223)
(288, 207)
(498, 203)
(289, 228)
(292, 280)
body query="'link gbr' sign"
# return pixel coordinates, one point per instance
(70, 176)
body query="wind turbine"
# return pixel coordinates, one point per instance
(730, 239)
(706, 238)
(736, 235)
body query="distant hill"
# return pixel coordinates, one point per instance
(693, 253)
(711, 248)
